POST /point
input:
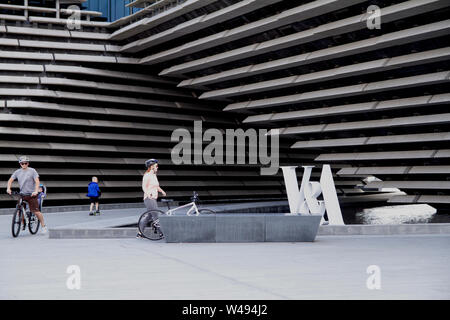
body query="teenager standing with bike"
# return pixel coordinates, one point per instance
(28, 179)
(150, 186)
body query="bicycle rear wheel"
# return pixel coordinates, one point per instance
(146, 226)
(16, 222)
(33, 223)
(206, 211)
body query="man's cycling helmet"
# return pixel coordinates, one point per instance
(24, 159)
(150, 162)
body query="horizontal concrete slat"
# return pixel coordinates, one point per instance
(107, 182)
(84, 57)
(98, 97)
(400, 170)
(408, 138)
(61, 45)
(430, 170)
(371, 124)
(38, 32)
(69, 172)
(111, 86)
(391, 13)
(352, 108)
(21, 67)
(19, 79)
(406, 82)
(421, 199)
(399, 37)
(44, 146)
(295, 14)
(386, 155)
(105, 73)
(444, 185)
(119, 112)
(198, 23)
(55, 33)
(25, 55)
(380, 65)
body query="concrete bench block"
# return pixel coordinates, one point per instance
(240, 228)
(290, 228)
(189, 228)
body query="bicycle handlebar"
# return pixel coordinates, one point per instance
(15, 193)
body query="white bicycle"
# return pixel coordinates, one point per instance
(152, 232)
(193, 211)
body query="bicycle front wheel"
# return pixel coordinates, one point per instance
(33, 223)
(16, 222)
(147, 227)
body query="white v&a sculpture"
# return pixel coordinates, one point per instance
(304, 201)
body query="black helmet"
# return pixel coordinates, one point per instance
(150, 162)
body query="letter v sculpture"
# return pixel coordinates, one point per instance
(304, 201)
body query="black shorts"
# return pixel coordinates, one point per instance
(93, 199)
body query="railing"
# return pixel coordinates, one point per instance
(142, 3)
(58, 15)
(49, 14)
(149, 8)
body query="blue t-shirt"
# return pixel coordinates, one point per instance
(93, 190)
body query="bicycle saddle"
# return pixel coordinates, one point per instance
(194, 197)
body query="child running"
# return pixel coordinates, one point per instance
(93, 194)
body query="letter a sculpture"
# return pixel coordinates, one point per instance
(304, 201)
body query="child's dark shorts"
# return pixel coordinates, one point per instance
(93, 199)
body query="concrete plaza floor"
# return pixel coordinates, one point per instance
(332, 267)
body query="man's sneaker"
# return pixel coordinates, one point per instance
(97, 213)
(44, 230)
(91, 213)
(139, 236)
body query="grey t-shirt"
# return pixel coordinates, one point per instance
(26, 179)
